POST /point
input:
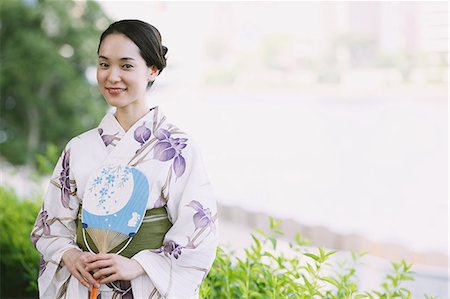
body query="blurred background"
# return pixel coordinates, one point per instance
(332, 116)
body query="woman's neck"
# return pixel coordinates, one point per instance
(127, 116)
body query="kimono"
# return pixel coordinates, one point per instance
(172, 164)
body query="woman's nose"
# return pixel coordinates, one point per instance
(114, 75)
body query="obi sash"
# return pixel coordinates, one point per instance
(149, 236)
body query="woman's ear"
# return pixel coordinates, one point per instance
(153, 72)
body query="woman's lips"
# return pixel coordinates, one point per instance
(115, 91)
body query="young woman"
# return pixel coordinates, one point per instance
(175, 245)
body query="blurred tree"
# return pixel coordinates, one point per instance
(47, 48)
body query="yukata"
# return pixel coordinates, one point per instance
(181, 206)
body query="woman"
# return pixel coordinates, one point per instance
(175, 246)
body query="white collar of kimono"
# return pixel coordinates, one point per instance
(127, 145)
(110, 125)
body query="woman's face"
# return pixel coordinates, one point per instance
(122, 73)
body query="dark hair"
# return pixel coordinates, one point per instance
(146, 37)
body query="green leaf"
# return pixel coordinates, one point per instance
(313, 256)
(274, 223)
(330, 280)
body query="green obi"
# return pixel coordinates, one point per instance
(149, 236)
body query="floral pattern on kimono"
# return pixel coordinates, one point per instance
(180, 265)
(53, 233)
(171, 161)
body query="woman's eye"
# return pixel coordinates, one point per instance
(127, 66)
(103, 65)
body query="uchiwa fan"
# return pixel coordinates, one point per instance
(113, 207)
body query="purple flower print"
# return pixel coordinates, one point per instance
(171, 248)
(168, 148)
(42, 265)
(107, 139)
(41, 222)
(65, 180)
(164, 151)
(162, 134)
(142, 134)
(179, 165)
(202, 221)
(202, 218)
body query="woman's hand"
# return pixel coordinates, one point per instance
(76, 262)
(111, 267)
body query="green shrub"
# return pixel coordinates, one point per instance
(265, 271)
(19, 260)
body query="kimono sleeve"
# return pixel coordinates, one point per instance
(178, 268)
(55, 227)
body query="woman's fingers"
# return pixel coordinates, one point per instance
(109, 279)
(85, 279)
(80, 278)
(104, 272)
(75, 261)
(87, 276)
(110, 267)
(94, 266)
(80, 267)
(96, 257)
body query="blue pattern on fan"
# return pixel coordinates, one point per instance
(108, 192)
